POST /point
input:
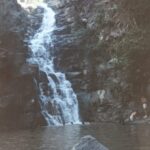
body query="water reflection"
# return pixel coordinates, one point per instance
(115, 137)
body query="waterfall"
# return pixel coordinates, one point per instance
(58, 101)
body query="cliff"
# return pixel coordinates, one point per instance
(17, 88)
(101, 45)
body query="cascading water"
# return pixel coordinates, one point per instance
(58, 102)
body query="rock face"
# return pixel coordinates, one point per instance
(18, 94)
(89, 143)
(18, 21)
(91, 39)
(101, 45)
(83, 42)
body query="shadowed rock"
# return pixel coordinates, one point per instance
(89, 143)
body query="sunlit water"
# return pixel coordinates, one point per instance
(115, 137)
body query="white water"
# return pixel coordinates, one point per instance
(59, 103)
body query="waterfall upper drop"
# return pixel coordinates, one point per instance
(58, 101)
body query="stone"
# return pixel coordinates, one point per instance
(89, 143)
(73, 74)
(28, 69)
(17, 82)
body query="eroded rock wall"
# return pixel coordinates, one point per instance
(18, 94)
(91, 43)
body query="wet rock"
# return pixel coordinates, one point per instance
(42, 77)
(89, 143)
(54, 78)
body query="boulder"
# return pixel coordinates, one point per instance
(89, 143)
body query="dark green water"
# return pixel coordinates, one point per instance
(115, 137)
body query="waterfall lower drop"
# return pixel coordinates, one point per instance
(59, 103)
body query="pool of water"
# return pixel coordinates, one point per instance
(115, 137)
